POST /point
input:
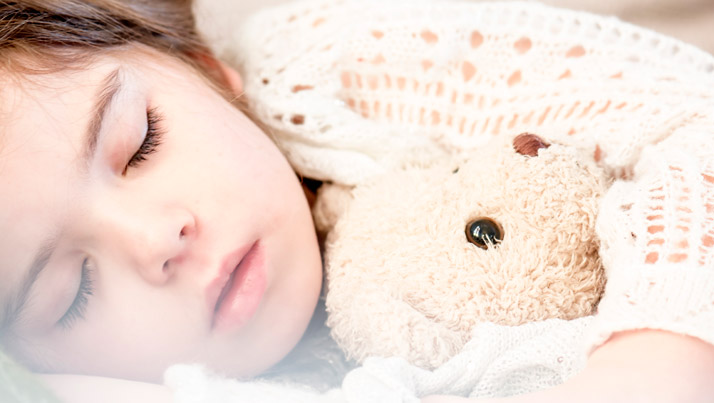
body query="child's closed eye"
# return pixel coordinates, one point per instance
(151, 142)
(85, 290)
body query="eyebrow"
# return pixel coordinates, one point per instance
(110, 87)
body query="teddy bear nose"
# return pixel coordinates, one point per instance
(528, 144)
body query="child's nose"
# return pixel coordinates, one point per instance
(155, 244)
(160, 249)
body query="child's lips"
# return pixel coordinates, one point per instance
(238, 290)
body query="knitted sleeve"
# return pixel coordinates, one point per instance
(657, 239)
(351, 88)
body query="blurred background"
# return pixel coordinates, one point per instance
(689, 20)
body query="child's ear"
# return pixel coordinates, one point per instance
(227, 76)
(231, 77)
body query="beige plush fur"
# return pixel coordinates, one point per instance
(404, 280)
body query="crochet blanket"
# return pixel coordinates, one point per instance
(451, 75)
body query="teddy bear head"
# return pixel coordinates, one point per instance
(418, 257)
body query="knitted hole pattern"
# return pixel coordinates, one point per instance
(464, 86)
(668, 207)
(679, 210)
(460, 100)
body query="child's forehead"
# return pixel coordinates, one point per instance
(23, 92)
(54, 74)
(42, 105)
(23, 95)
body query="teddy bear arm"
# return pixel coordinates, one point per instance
(373, 322)
(332, 201)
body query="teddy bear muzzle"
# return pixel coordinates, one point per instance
(528, 144)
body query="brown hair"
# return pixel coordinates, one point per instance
(41, 36)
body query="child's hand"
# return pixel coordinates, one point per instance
(634, 366)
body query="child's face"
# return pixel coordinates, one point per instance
(135, 256)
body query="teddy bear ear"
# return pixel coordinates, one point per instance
(528, 144)
(332, 201)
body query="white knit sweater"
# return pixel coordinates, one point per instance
(352, 88)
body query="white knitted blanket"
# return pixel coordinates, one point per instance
(456, 74)
(354, 88)
(499, 361)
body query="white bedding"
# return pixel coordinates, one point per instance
(499, 361)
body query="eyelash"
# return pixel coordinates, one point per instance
(79, 305)
(152, 139)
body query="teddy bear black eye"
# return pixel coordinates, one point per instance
(484, 232)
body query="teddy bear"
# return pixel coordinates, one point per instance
(417, 257)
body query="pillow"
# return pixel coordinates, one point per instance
(18, 385)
